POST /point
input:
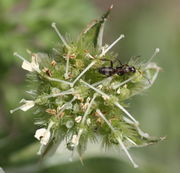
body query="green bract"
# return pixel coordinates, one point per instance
(75, 103)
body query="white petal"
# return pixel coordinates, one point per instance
(34, 63)
(75, 139)
(40, 133)
(43, 135)
(28, 105)
(78, 119)
(45, 139)
(27, 66)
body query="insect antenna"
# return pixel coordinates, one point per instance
(119, 61)
(111, 62)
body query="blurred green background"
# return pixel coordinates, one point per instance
(26, 24)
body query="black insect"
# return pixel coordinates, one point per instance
(119, 70)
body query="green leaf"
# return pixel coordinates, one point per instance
(52, 146)
(93, 33)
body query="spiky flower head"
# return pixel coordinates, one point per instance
(80, 90)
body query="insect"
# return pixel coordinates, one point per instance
(119, 70)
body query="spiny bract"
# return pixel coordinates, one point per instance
(76, 103)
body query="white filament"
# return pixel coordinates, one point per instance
(58, 80)
(95, 89)
(108, 97)
(119, 139)
(157, 50)
(109, 47)
(126, 112)
(60, 36)
(67, 67)
(104, 118)
(131, 141)
(124, 82)
(84, 71)
(84, 119)
(108, 79)
(19, 56)
(28, 104)
(71, 91)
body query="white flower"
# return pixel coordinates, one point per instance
(75, 139)
(29, 66)
(33, 66)
(78, 119)
(28, 104)
(43, 135)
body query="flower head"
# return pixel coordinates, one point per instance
(83, 96)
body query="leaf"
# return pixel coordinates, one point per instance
(82, 145)
(93, 33)
(53, 145)
(138, 138)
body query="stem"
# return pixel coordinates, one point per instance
(83, 120)
(124, 82)
(95, 89)
(84, 71)
(109, 47)
(104, 118)
(67, 67)
(157, 50)
(57, 80)
(88, 108)
(85, 116)
(108, 97)
(60, 36)
(90, 56)
(126, 112)
(20, 57)
(102, 81)
(16, 109)
(60, 94)
(131, 141)
(127, 153)
(119, 139)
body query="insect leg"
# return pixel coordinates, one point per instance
(111, 62)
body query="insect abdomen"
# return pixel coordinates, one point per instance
(108, 71)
